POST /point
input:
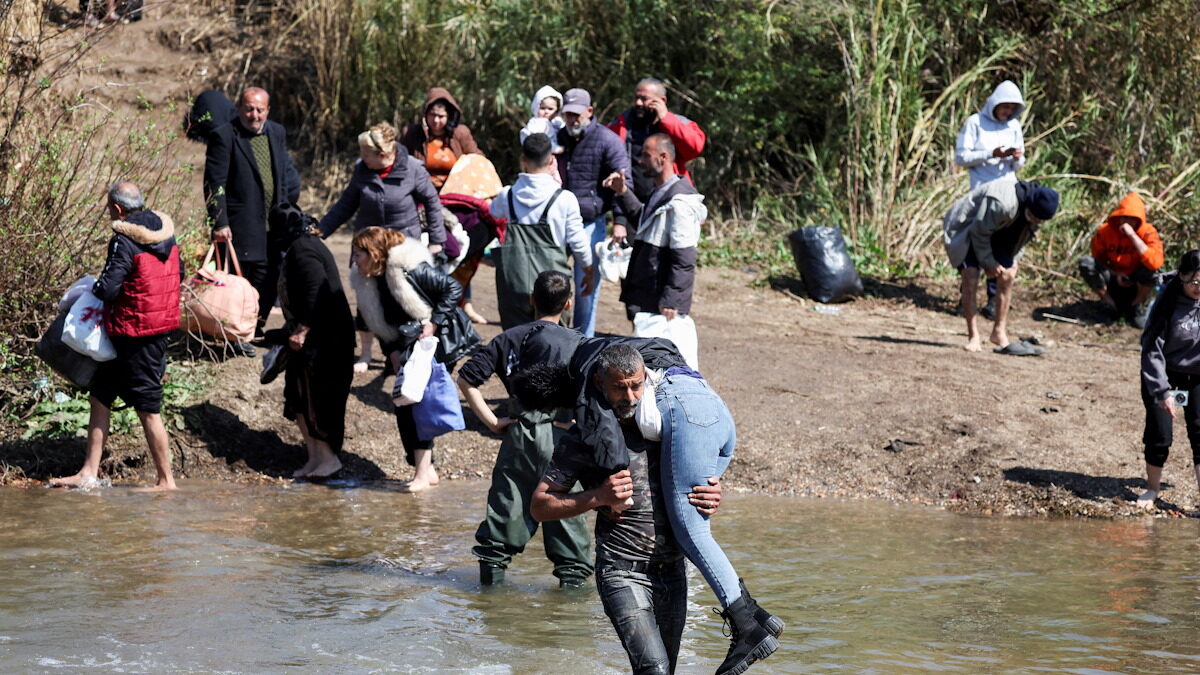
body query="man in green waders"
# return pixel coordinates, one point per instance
(529, 438)
(543, 222)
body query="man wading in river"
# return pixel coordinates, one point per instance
(640, 571)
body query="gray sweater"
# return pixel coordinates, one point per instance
(1176, 348)
(389, 202)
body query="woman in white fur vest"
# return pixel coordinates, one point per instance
(387, 266)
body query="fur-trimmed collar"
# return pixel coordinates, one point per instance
(144, 235)
(401, 259)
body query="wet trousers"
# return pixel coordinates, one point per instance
(506, 529)
(647, 604)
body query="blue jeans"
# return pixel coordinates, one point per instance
(648, 608)
(698, 438)
(584, 319)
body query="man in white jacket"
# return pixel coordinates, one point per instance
(666, 232)
(543, 222)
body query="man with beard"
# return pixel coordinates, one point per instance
(648, 116)
(590, 154)
(666, 231)
(645, 522)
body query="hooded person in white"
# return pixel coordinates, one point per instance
(991, 144)
(546, 108)
(531, 199)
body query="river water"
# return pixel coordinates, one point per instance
(306, 578)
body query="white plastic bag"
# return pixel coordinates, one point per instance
(72, 294)
(681, 330)
(647, 415)
(414, 376)
(613, 260)
(84, 328)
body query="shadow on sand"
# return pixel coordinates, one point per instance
(875, 288)
(228, 438)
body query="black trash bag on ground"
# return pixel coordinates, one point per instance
(825, 266)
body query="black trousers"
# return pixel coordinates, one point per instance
(1158, 434)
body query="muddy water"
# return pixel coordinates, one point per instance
(235, 579)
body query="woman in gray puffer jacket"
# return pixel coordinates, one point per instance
(384, 190)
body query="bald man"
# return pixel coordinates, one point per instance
(248, 172)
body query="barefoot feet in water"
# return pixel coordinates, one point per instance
(79, 480)
(325, 468)
(421, 483)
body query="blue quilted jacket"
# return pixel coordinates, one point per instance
(588, 160)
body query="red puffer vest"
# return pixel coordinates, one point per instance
(149, 300)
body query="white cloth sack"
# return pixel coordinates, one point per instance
(613, 260)
(647, 415)
(84, 329)
(412, 379)
(681, 330)
(76, 289)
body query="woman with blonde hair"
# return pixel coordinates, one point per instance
(385, 190)
(402, 297)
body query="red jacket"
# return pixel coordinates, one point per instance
(1111, 248)
(141, 277)
(687, 136)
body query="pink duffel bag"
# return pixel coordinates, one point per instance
(220, 303)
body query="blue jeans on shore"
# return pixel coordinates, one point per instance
(647, 604)
(584, 318)
(698, 438)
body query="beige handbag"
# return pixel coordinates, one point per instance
(220, 303)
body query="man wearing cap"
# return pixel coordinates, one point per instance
(987, 229)
(590, 154)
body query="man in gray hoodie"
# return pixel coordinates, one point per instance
(987, 229)
(543, 222)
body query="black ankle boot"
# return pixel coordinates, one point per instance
(490, 574)
(749, 641)
(772, 623)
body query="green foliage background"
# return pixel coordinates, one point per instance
(817, 112)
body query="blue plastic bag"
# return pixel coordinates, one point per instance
(439, 411)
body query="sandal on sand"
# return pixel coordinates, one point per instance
(1019, 348)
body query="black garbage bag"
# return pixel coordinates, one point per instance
(825, 266)
(78, 369)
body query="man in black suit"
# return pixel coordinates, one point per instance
(247, 172)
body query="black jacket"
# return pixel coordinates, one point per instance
(233, 189)
(658, 275)
(315, 297)
(597, 424)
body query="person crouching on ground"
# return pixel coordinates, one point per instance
(1170, 363)
(1126, 256)
(140, 284)
(392, 277)
(988, 228)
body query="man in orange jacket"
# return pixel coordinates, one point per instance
(1126, 257)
